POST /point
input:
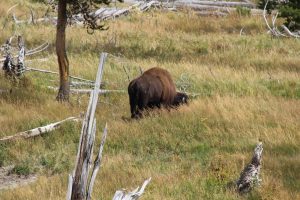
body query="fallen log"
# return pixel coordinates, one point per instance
(38, 131)
(214, 8)
(211, 13)
(83, 91)
(79, 84)
(216, 3)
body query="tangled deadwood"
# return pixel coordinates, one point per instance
(273, 29)
(91, 16)
(250, 175)
(14, 68)
(14, 57)
(134, 195)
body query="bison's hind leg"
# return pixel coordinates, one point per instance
(142, 102)
(133, 107)
(133, 100)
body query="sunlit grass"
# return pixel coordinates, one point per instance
(247, 89)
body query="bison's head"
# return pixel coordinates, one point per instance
(180, 98)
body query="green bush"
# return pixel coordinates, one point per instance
(22, 169)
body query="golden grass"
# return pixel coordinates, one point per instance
(248, 89)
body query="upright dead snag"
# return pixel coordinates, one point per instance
(11, 68)
(250, 175)
(80, 186)
(20, 67)
(8, 65)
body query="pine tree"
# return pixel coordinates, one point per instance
(66, 9)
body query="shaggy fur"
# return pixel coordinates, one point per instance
(154, 88)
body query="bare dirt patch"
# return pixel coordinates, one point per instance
(9, 180)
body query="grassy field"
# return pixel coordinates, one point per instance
(248, 90)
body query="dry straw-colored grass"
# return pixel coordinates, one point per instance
(248, 90)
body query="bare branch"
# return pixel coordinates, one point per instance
(31, 19)
(134, 195)
(289, 32)
(38, 49)
(51, 72)
(87, 91)
(126, 73)
(11, 8)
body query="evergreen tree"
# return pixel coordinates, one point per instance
(66, 9)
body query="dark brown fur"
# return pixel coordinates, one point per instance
(154, 88)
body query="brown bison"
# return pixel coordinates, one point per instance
(154, 88)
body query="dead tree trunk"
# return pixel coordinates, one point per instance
(63, 62)
(80, 185)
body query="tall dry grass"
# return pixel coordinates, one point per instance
(248, 90)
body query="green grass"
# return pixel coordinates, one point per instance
(247, 90)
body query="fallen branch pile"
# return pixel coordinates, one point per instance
(205, 8)
(104, 13)
(273, 30)
(134, 195)
(218, 8)
(12, 67)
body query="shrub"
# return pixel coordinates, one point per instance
(21, 169)
(288, 10)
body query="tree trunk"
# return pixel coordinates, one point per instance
(63, 62)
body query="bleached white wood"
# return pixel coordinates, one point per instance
(250, 175)
(133, 195)
(81, 174)
(39, 130)
(52, 72)
(69, 190)
(217, 3)
(97, 164)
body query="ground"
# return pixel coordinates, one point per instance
(246, 87)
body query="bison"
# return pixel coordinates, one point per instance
(154, 88)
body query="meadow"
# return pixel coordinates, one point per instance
(246, 89)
